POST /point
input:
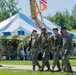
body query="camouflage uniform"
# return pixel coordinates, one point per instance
(34, 52)
(56, 40)
(45, 44)
(67, 48)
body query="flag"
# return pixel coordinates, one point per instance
(37, 9)
(34, 10)
(44, 4)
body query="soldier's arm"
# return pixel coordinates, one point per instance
(39, 39)
(30, 41)
(52, 40)
(48, 43)
(70, 41)
(59, 43)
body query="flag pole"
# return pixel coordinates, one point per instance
(41, 16)
(40, 13)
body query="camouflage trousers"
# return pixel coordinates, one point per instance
(34, 56)
(45, 58)
(56, 55)
(65, 61)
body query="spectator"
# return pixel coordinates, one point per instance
(22, 54)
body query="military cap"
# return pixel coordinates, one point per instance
(63, 28)
(55, 29)
(34, 31)
(43, 29)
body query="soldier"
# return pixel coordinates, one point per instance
(45, 44)
(34, 50)
(56, 40)
(67, 48)
(0, 52)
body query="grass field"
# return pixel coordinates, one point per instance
(29, 72)
(24, 72)
(26, 62)
(73, 30)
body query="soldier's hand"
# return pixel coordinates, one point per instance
(53, 48)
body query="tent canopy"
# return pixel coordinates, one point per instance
(20, 24)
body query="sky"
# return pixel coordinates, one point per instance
(52, 7)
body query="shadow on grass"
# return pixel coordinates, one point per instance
(71, 73)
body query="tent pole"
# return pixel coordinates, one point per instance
(18, 48)
(23, 47)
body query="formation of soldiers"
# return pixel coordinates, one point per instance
(60, 44)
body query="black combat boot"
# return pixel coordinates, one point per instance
(42, 69)
(1, 66)
(33, 67)
(52, 69)
(69, 68)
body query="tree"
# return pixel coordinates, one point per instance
(8, 8)
(74, 10)
(74, 16)
(65, 19)
(57, 18)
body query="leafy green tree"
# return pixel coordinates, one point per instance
(74, 16)
(74, 10)
(57, 18)
(65, 19)
(8, 8)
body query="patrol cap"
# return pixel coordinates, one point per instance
(34, 31)
(55, 29)
(43, 29)
(63, 28)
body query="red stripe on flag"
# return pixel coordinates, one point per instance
(44, 4)
(44, 1)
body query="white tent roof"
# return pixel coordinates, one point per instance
(20, 24)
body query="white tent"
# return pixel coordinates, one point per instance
(18, 24)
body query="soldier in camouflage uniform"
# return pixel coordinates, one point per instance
(45, 44)
(67, 48)
(56, 40)
(34, 50)
(0, 52)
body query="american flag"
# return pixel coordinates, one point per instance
(44, 4)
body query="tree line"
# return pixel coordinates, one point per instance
(8, 8)
(65, 18)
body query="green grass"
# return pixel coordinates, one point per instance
(26, 62)
(16, 62)
(24, 72)
(74, 30)
(74, 40)
(29, 72)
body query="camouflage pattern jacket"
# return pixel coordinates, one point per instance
(56, 41)
(67, 43)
